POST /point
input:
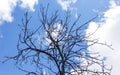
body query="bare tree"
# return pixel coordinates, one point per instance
(60, 48)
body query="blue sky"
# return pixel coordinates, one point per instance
(11, 13)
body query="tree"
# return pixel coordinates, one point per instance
(61, 48)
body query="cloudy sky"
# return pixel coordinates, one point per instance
(11, 13)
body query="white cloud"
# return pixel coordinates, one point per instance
(69, 5)
(66, 4)
(54, 31)
(6, 9)
(29, 4)
(108, 32)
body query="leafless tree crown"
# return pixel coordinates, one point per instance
(57, 46)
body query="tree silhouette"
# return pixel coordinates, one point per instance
(60, 49)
